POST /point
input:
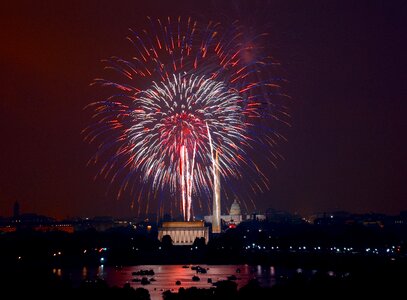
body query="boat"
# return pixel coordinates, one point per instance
(232, 277)
(143, 273)
(178, 282)
(195, 278)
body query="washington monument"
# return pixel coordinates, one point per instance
(216, 198)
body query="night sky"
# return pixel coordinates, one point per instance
(346, 68)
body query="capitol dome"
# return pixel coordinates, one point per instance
(235, 209)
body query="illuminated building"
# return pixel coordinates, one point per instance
(184, 233)
(234, 216)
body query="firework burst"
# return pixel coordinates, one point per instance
(187, 92)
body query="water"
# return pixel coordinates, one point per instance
(167, 275)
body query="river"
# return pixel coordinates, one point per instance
(166, 276)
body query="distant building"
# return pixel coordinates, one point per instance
(401, 219)
(234, 216)
(64, 227)
(184, 233)
(101, 223)
(256, 217)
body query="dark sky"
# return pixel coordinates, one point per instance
(346, 66)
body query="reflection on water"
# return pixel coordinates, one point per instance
(166, 275)
(84, 272)
(57, 271)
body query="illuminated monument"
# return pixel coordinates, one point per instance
(184, 233)
(216, 198)
(234, 217)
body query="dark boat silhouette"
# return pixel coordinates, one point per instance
(143, 273)
(199, 269)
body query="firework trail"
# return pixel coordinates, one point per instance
(187, 91)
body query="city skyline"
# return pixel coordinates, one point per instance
(344, 63)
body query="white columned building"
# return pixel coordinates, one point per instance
(184, 233)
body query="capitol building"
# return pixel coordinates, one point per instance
(234, 216)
